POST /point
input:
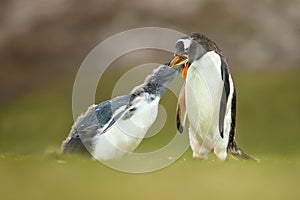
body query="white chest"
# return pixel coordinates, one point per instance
(203, 93)
(126, 134)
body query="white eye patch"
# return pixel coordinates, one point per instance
(186, 43)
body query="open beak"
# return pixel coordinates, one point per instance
(181, 60)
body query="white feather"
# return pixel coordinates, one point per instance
(186, 43)
(204, 87)
(126, 134)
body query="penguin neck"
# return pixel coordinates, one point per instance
(209, 59)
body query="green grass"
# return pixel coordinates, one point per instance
(33, 126)
(35, 177)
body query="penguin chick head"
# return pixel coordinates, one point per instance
(157, 83)
(160, 79)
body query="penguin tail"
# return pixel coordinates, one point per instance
(238, 153)
(73, 145)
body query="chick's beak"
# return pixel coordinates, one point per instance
(181, 60)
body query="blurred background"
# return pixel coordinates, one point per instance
(43, 43)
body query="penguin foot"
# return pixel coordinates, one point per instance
(221, 153)
(201, 153)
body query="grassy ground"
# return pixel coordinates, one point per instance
(33, 126)
(35, 177)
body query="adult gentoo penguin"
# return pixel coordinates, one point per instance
(208, 97)
(117, 126)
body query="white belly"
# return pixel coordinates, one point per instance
(203, 94)
(125, 135)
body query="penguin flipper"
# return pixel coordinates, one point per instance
(224, 98)
(181, 110)
(222, 112)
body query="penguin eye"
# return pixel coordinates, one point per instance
(186, 48)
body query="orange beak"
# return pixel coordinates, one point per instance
(181, 60)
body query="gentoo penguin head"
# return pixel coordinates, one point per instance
(190, 48)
